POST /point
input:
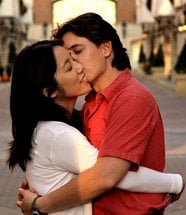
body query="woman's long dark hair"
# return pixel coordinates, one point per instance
(33, 71)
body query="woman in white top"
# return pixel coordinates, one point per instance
(47, 142)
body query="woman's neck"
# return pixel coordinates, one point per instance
(68, 104)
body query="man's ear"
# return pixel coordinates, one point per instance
(45, 93)
(106, 48)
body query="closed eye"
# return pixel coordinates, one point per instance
(69, 67)
(77, 51)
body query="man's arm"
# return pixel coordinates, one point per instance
(103, 176)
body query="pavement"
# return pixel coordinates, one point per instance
(173, 108)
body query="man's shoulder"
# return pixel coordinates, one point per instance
(135, 89)
(134, 93)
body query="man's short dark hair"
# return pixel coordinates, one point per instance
(93, 27)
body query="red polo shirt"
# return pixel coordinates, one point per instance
(124, 121)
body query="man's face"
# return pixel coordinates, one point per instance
(85, 52)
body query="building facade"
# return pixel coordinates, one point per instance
(12, 33)
(150, 23)
(166, 27)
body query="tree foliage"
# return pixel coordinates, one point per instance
(12, 53)
(1, 68)
(180, 66)
(158, 59)
(22, 7)
(142, 57)
(11, 58)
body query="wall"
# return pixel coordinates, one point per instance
(42, 10)
(126, 11)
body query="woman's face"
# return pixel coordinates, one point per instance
(69, 75)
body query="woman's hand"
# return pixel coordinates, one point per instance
(25, 199)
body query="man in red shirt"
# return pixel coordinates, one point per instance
(121, 119)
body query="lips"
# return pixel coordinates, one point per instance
(83, 79)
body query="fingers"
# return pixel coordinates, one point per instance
(20, 192)
(24, 184)
(33, 191)
(19, 203)
(25, 199)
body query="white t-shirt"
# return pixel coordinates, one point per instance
(57, 158)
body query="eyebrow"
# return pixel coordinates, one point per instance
(74, 46)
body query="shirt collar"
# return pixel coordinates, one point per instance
(117, 84)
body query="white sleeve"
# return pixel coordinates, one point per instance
(74, 153)
(150, 181)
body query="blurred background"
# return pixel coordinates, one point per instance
(154, 33)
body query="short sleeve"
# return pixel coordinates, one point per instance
(72, 151)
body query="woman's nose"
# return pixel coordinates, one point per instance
(73, 56)
(79, 67)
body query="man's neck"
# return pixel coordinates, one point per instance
(105, 80)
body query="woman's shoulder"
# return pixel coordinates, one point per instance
(55, 127)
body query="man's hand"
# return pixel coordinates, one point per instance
(26, 200)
